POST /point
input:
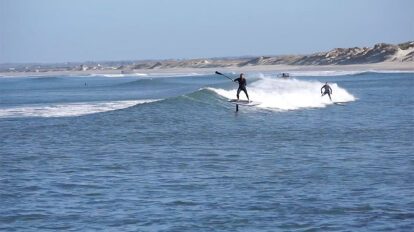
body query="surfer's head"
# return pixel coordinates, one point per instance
(241, 74)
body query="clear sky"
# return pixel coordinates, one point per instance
(96, 30)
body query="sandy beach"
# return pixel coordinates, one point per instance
(383, 66)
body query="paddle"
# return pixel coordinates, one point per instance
(219, 73)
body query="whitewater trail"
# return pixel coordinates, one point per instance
(68, 109)
(289, 94)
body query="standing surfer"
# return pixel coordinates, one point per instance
(242, 86)
(326, 90)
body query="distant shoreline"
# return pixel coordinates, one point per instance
(380, 57)
(383, 66)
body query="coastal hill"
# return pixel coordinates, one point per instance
(379, 53)
(382, 52)
(339, 56)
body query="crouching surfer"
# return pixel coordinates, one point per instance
(326, 89)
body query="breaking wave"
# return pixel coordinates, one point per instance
(68, 109)
(289, 94)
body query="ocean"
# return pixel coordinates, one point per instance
(169, 153)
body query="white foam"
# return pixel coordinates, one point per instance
(338, 73)
(113, 75)
(141, 74)
(183, 74)
(68, 109)
(290, 94)
(106, 75)
(125, 75)
(151, 75)
(314, 73)
(324, 73)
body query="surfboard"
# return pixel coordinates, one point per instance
(244, 102)
(340, 103)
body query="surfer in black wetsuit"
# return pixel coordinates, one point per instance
(326, 90)
(242, 86)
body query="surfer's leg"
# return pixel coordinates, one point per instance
(238, 92)
(247, 95)
(329, 96)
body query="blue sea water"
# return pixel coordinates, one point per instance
(158, 153)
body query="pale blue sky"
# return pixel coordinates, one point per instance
(81, 30)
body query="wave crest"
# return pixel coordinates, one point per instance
(68, 109)
(289, 94)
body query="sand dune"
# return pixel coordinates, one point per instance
(379, 57)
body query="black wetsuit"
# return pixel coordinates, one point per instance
(242, 86)
(327, 90)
